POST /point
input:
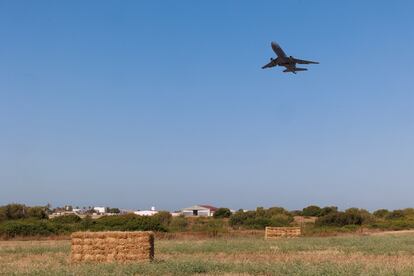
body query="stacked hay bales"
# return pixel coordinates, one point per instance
(282, 232)
(112, 246)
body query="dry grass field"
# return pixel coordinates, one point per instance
(347, 255)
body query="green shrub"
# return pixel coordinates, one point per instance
(37, 212)
(311, 211)
(163, 217)
(87, 223)
(113, 210)
(210, 226)
(27, 228)
(352, 216)
(239, 218)
(3, 214)
(396, 214)
(178, 224)
(222, 213)
(259, 219)
(129, 222)
(15, 211)
(71, 218)
(408, 212)
(327, 210)
(280, 220)
(381, 213)
(20, 211)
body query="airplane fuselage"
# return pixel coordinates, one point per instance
(287, 62)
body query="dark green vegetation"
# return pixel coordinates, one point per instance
(20, 220)
(259, 219)
(351, 255)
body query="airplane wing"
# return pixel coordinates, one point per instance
(278, 50)
(301, 61)
(269, 65)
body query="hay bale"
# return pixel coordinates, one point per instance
(112, 246)
(282, 232)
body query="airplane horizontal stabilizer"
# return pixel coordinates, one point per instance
(294, 70)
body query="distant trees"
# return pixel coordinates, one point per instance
(164, 217)
(328, 210)
(396, 214)
(222, 213)
(21, 220)
(71, 218)
(351, 216)
(316, 211)
(381, 213)
(19, 211)
(38, 212)
(311, 211)
(259, 219)
(113, 210)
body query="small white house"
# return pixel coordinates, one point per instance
(99, 210)
(199, 211)
(146, 212)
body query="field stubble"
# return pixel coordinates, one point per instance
(350, 255)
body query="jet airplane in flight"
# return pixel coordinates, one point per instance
(288, 62)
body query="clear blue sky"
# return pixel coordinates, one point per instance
(134, 104)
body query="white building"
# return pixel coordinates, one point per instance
(99, 210)
(146, 212)
(199, 211)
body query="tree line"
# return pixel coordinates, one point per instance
(21, 220)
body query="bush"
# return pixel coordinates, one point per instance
(352, 216)
(208, 225)
(66, 219)
(3, 214)
(163, 217)
(408, 212)
(37, 212)
(87, 223)
(129, 222)
(215, 227)
(16, 228)
(381, 213)
(259, 219)
(178, 224)
(113, 210)
(280, 220)
(311, 211)
(328, 210)
(396, 214)
(15, 211)
(222, 213)
(239, 218)
(20, 211)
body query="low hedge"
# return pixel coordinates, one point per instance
(15, 228)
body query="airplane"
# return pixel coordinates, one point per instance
(288, 62)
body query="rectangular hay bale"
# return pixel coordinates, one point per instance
(112, 246)
(282, 232)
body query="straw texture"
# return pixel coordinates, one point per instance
(282, 232)
(112, 246)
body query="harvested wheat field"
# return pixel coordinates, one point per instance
(350, 255)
